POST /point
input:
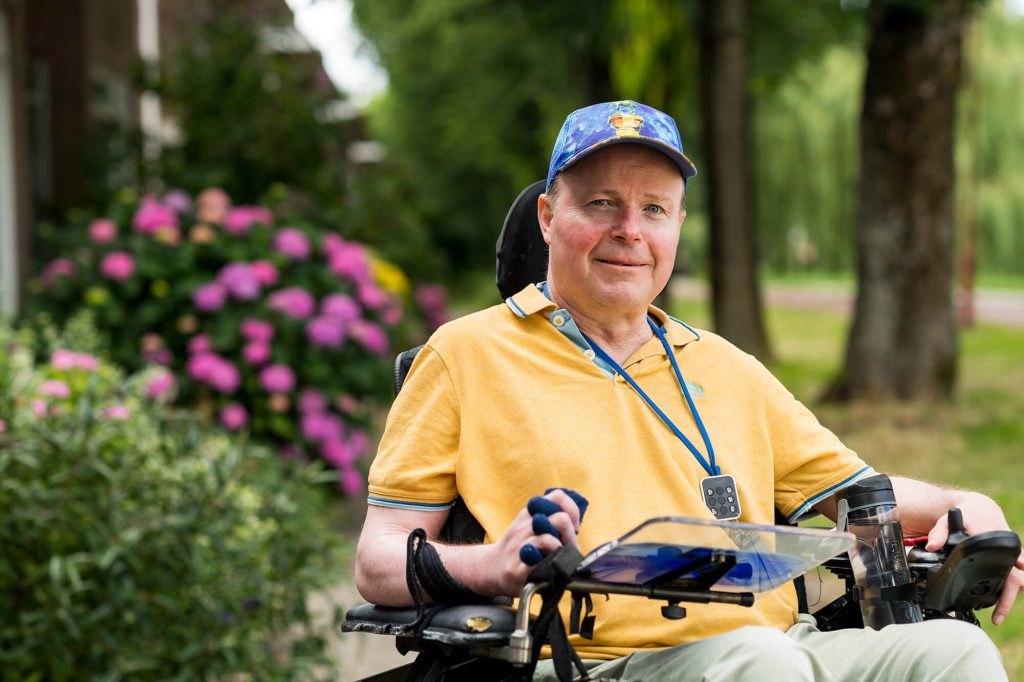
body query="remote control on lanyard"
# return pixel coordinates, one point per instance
(721, 497)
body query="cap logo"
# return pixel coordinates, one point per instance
(626, 121)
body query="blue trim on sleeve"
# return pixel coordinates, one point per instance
(414, 506)
(866, 471)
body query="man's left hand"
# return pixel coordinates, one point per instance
(982, 514)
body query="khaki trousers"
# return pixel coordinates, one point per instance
(936, 650)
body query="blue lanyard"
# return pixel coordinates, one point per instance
(709, 463)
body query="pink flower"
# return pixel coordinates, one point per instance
(167, 235)
(240, 281)
(102, 231)
(55, 388)
(295, 302)
(347, 403)
(39, 408)
(278, 402)
(161, 385)
(150, 342)
(317, 427)
(256, 352)
(266, 273)
(65, 360)
(200, 366)
(215, 371)
(212, 205)
(239, 219)
(340, 306)
(371, 296)
(234, 416)
(370, 336)
(178, 200)
(326, 331)
(224, 377)
(312, 400)
(210, 297)
(58, 267)
(159, 357)
(349, 260)
(358, 441)
(200, 343)
(152, 215)
(277, 379)
(117, 265)
(332, 242)
(292, 243)
(432, 300)
(352, 482)
(337, 453)
(257, 330)
(118, 412)
(392, 313)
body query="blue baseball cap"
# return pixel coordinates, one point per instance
(595, 127)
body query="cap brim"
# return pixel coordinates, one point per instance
(681, 161)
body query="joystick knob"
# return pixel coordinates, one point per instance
(955, 521)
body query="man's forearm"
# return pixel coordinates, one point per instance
(922, 504)
(381, 569)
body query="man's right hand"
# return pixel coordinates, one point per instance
(492, 570)
(508, 549)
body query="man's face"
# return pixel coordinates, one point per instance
(613, 230)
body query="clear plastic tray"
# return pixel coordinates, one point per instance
(674, 550)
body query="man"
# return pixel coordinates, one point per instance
(579, 383)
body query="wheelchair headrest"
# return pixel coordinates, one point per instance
(522, 253)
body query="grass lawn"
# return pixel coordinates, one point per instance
(845, 280)
(976, 441)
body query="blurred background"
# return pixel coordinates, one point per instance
(220, 219)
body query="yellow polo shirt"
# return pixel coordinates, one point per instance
(504, 403)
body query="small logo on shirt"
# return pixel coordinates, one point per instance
(696, 390)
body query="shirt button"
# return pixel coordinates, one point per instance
(558, 320)
(589, 354)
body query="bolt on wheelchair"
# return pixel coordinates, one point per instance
(884, 578)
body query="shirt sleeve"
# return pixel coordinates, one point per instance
(811, 463)
(415, 464)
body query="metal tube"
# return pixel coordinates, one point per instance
(520, 642)
(673, 594)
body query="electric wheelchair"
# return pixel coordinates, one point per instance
(498, 641)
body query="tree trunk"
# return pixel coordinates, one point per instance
(735, 294)
(903, 341)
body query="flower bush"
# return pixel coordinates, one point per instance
(269, 323)
(138, 546)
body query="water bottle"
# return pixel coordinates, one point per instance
(885, 586)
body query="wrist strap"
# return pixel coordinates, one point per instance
(425, 569)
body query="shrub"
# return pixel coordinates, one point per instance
(139, 546)
(284, 331)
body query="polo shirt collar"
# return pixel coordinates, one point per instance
(531, 300)
(528, 301)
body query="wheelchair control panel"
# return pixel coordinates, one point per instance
(964, 576)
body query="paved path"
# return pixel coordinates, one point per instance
(992, 306)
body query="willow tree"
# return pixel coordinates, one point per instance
(903, 340)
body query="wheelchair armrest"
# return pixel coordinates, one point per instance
(459, 625)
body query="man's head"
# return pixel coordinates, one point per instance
(614, 205)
